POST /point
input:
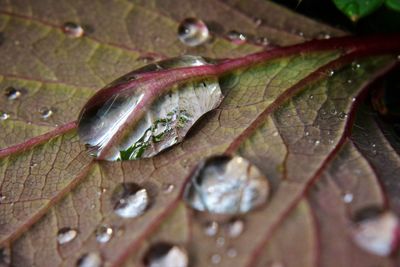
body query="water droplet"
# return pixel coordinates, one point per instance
(311, 97)
(331, 73)
(235, 228)
(227, 185)
(376, 231)
(166, 255)
(231, 252)
(333, 111)
(342, 115)
(103, 233)
(323, 35)
(4, 116)
(91, 259)
(257, 21)
(373, 145)
(13, 93)
(398, 57)
(211, 228)
(353, 99)
(317, 142)
(216, 258)
(168, 188)
(45, 112)
(349, 81)
(220, 241)
(5, 257)
(236, 37)
(261, 41)
(193, 32)
(307, 133)
(131, 200)
(348, 197)
(66, 235)
(103, 126)
(73, 30)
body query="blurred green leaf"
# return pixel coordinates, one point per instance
(356, 9)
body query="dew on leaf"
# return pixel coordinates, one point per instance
(130, 200)
(104, 233)
(13, 93)
(349, 81)
(109, 121)
(257, 21)
(231, 253)
(236, 37)
(261, 41)
(331, 73)
(5, 256)
(355, 66)
(323, 35)
(73, 30)
(376, 231)
(226, 185)
(193, 32)
(220, 242)
(4, 116)
(216, 258)
(2, 197)
(66, 235)
(166, 255)
(348, 197)
(45, 112)
(342, 115)
(211, 228)
(235, 228)
(168, 188)
(91, 259)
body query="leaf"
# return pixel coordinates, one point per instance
(393, 4)
(356, 9)
(287, 110)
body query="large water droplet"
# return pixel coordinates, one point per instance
(193, 32)
(91, 259)
(227, 185)
(236, 37)
(128, 120)
(103, 233)
(66, 235)
(73, 30)
(166, 255)
(4, 116)
(376, 231)
(130, 200)
(13, 93)
(348, 197)
(45, 112)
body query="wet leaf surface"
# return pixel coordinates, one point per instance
(290, 112)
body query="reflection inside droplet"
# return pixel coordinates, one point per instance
(227, 185)
(91, 259)
(73, 30)
(193, 32)
(103, 233)
(236, 37)
(130, 200)
(166, 255)
(12, 93)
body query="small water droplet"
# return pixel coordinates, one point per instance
(73, 30)
(66, 235)
(398, 57)
(348, 197)
(333, 111)
(257, 21)
(373, 145)
(45, 112)
(193, 32)
(353, 99)
(227, 185)
(349, 81)
(261, 41)
(5, 257)
(236, 37)
(4, 116)
(317, 142)
(168, 188)
(166, 255)
(131, 200)
(216, 258)
(331, 73)
(376, 231)
(311, 97)
(342, 115)
(91, 259)
(2, 197)
(104, 233)
(235, 228)
(323, 35)
(355, 66)
(220, 242)
(231, 252)
(211, 228)
(13, 93)
(275, 133)
(307, 133)
(146, 59)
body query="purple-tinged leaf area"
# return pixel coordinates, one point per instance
(290, 111)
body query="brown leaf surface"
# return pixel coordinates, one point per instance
(286, 114)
